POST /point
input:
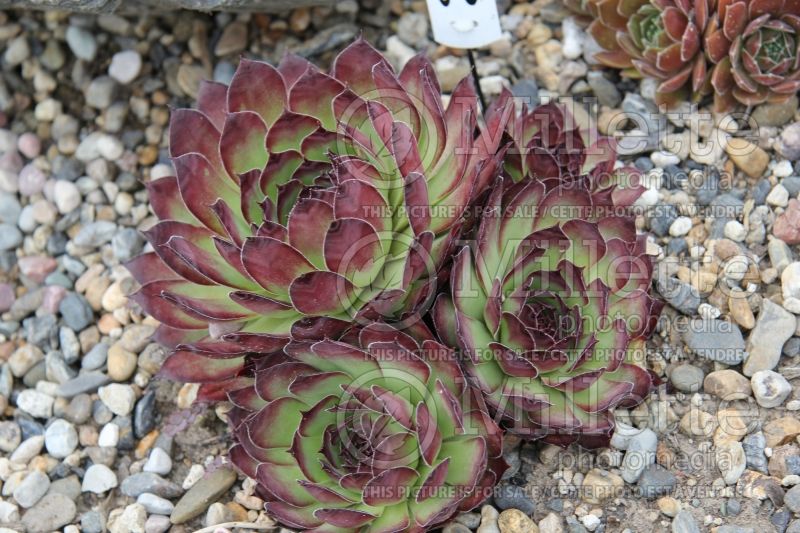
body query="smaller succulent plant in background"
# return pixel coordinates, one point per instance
(662, 39)
(376, 434)
(755, 45)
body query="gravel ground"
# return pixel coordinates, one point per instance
(91, 442)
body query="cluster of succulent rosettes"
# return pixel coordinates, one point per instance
(744, 51)
(376, 433)
(755, 45)
(304, 202)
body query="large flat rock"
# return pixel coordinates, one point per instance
(136, 6)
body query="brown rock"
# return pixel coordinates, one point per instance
(697, 423)
(601, 485)
(740, 309)
(787, 225)
(751, 159)
(733, 425)
(778, 466)
(727, 385)
(781, 431)
(233, 39)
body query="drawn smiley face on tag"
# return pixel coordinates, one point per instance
(464, 23)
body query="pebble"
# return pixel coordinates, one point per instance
(109, 435)
(687, 378)
(716, 340)
(31, 489)
(731, 461)
(10, 237)
(10, 436)
(202, 494)
(551, 524)
(95, 234)
(680, 227)
(76, 311)
(641, 453)
(735, 231)
(82, 43)
(770, 388)
(684, 523)
(157, 524)
(668, 505)
(29, 145)
(790, 287)
(137, 484)
(754, 445)
(83, 383)
(750, 158)
(508, 496)
(600, 485)
(489, 517)
(663, 159)
(656, 481)
(233, 39)
(8, 512)
(60, 438)
(155, 504)
(727, 385)
(774, 327)
(52, 512)
(96, 357)
(66, 196)
(781, 430)
(121, 363)
(28, 449)
(35, 403)
(159, 462)
(787, 225)
(125, 66)
(93, 522)
(778, 196)
(132, 519)
(119, 398)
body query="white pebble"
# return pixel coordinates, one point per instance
(159, 462)
(125, 66)
(98, 479)
(783, 169)
(118, 398)
(770, 388)
(60, 438)
(109, 436)
(663, 159)
(734, 230)
(778, 196)
(66, 196)
(680, 226)
(196, 472)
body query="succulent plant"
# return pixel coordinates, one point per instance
(755, 46)
(304, 202)
(662, 39)
(550, 303)
(375, 433)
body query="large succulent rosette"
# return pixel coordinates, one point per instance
(551, 305)
(661, 39)
(303, 202)
(376, 434)
(755, 45)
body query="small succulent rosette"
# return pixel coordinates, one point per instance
(375, 433)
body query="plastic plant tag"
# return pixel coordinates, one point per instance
(464, 23)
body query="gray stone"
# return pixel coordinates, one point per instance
(10, 436)
(95, 234)
(155, 504)
(126, 243)
(754, 445)
(51, 513)
(684, 523)
(76, 311)
(144, 414)
(656, 481)
(604, 89)
(774, 326)
(792, 499)
(159, 462)
(86, 382)
(96, 357)
(143, 482)
(716, 340)
(31, 489)
(509, 496)
(641, 453)
(687, 378)
(69, 486)
(81, 42)
(70, 346)
(10, 237)
(202, 494)
(92, 522)
(679, 295)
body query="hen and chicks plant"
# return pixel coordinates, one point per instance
(381, 285)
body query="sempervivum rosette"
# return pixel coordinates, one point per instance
(304, 201)
(756, 47)
(551, 307)
(662, 39)
(378, 434)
